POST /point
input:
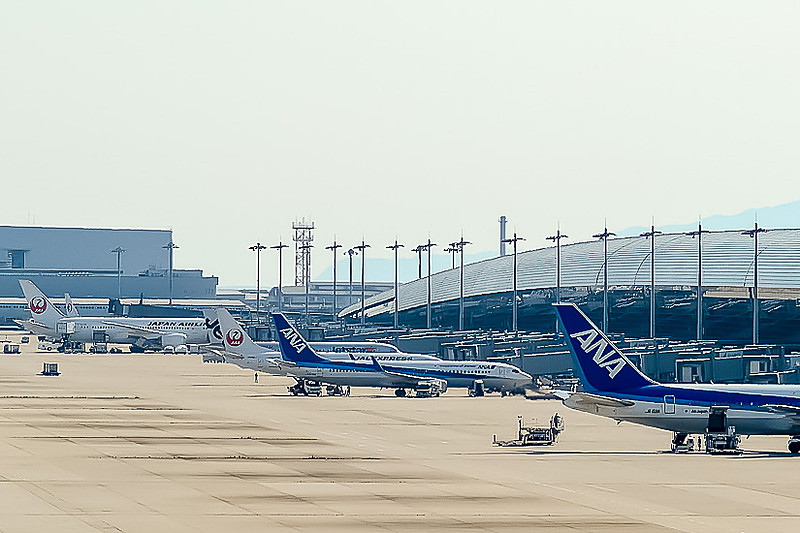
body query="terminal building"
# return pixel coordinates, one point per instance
(84, 261)
(731, 269)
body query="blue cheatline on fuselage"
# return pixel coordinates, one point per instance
(295, 349)
(605, 371)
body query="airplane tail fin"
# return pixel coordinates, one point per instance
(69, 307)
(234, 337)
(599, 364)
(293, 346)
(213, 328)
(41, 308)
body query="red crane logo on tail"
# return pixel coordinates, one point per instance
(38, 305)
(234, 337)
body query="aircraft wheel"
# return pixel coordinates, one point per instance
(400, 393)
(794, 447)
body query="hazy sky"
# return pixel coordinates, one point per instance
(227, 120)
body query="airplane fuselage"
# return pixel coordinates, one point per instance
(128, 330)
(495, 376)
(752, 409)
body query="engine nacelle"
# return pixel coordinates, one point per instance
(173, 339)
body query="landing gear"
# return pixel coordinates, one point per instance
(794, 444)
(400, 393)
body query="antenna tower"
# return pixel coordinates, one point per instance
(303, 237)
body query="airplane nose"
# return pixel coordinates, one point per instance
(527, 379)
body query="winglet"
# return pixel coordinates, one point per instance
(599, 364)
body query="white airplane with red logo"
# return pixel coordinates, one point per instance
(242, 351)
(141, 333)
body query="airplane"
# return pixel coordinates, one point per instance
(212, 317)
(141, 333)
(399, 375)
(242, 351)
(613, 387)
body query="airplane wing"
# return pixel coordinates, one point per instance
(142, 331)
(789, 410)
(585, 398)
(402, 379)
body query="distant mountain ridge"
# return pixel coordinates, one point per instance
(382, 269)
(779, 216)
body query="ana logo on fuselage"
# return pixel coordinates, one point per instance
(38, 305)
(294, 339)
(234, 337)
(602, 357)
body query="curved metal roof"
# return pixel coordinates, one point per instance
(727, 262)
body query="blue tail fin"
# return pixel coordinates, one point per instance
(293, 346)
(599, 364)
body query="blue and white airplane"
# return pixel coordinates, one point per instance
(412, 373)
(615, 388)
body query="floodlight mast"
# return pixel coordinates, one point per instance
(257, 247)
(460, 247)
(280, 246)
(418, 250)
(452, 249)
(427, 246)
(119, 250)
(514, 309)
(753, 233)
(699, 234)
(652, 236)
(557, 240)
(171, 246)
(362, 248)
(333, 247)
(395, 247)
(604, 236)
(351, 252)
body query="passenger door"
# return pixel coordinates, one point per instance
(669, 404)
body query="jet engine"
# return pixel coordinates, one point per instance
(173, 339)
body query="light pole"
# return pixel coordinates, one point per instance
(171, 247)
(460, 247)
(119, 250)
(699, 234)
(452, 249)
(307, 257)
(652, 236)
(362, 248)
(280, 246)
(557, 240)
(419, 250)
(427, 246)
(756, 307)
(351, 252)
(605, 235)
(257, 247)
(514, 241)
(333, 247)
(395, 247)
